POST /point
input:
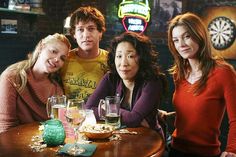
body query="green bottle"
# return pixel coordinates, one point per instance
(53, 133)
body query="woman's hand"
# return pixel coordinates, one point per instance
(228, 154)
(163, 114)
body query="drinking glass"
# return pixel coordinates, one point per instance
(54, 104)
(90, 118)
(109, 110)
(75, 115)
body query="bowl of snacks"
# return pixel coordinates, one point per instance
(98, 131)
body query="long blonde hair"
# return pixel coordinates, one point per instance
(21, 67)
(199, 34)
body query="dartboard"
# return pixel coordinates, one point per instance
(222, 31)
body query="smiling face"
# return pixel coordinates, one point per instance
(126, 61)
(87, 36)
(184, 43)
(52, 57)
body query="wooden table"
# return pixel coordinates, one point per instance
(15, 143)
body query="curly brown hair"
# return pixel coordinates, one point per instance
(86, 14)
(148, 57)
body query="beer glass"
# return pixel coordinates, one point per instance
(54, 104)
(109, 110)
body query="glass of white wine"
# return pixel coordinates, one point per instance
(75, 115)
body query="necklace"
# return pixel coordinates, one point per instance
(194, 76)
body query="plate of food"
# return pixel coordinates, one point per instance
(98, 131)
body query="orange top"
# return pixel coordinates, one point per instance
(199, 117)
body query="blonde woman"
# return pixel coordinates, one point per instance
(25, 86)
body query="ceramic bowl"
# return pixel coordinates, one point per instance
(98, 131)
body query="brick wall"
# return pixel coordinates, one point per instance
(31, 28)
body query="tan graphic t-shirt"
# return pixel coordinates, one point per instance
(81, 76)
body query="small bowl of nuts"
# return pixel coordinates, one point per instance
(98, 131)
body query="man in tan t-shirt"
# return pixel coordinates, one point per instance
(87, 63)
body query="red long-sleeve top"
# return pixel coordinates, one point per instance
(199, 117)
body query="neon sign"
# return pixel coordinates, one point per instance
(135, 14)
(134, 24)
(134, 8)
